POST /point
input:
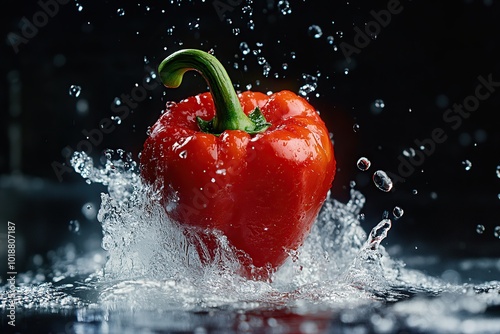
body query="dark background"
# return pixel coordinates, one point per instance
(426, 59)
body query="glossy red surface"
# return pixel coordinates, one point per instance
(262, 191)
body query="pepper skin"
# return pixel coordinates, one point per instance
(262, 190)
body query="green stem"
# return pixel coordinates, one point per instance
(229, 114)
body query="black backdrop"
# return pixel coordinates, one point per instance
(426, 57)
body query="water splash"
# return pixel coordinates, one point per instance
(152, 264)
(148, 251)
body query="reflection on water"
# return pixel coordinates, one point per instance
(150, 279)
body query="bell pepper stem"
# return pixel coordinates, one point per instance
(229, 113)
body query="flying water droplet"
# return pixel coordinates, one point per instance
(377, 106)
(410, 152)
(89, 211)
(120, 11)
(379, 103)
(382, 181)
(74, 226)
(467, 165)
(480, 229)
(397, 212)
(266, 69)
(310, 85)
(284, 7)
(247, 10)
(355, 127)
(496, 232)
(498, 171)
(117, 119)
(363, 164)
(315, 31)
(75, 90)
(194, 25)
(244, 48)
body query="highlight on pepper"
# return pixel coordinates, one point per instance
(253, 167)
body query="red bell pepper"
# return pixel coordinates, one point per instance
(255, 167)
